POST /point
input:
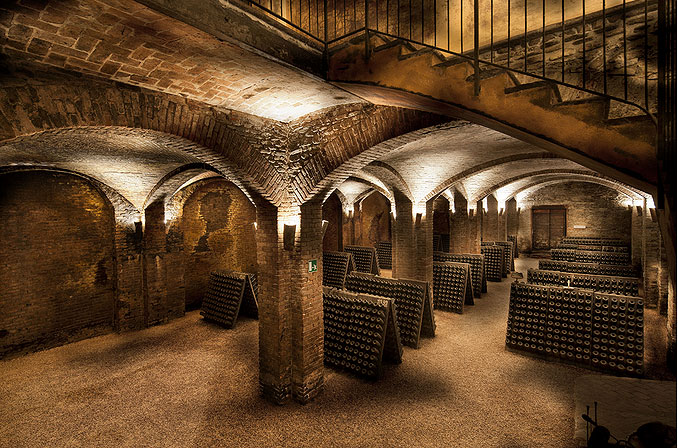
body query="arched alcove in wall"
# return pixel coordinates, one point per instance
(58, 271)
(373, 221)
(333, 214)
(215, 230)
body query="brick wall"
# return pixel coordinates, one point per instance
(373, 222)
(58, 273)
(600, 209)
(333, 214)
(216, 231)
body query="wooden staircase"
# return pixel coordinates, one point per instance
(400, 73)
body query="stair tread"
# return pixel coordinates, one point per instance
(583, 101)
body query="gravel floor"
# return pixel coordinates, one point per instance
(189, 383)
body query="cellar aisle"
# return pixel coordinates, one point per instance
(189, 383)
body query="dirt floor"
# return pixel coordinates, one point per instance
(192, 384)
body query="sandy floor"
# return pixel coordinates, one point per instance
(189, 383)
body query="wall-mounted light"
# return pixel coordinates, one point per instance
(254, 224)
(289, 231)
(325, 225)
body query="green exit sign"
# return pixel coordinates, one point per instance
(313, 266)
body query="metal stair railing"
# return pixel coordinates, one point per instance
(607, 48)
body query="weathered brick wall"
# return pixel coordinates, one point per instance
(373, 221)
(58, 272)
(490, 220)
(600, 209)
(214, 231)
(333, 214)
(512, 217)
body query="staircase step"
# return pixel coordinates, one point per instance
(422, 52)
(453, 60)
(589, 109)
(386, 46)
(539, 92)
(486, 74)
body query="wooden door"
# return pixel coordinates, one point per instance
(540, 229)
(548, 227)
(556, 227)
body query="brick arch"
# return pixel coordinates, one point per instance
(36, 102)
(566, 175)
(447, 183)
(587, 179)
(125, 211)
(387, 129)
(173, 181)
(116, 139)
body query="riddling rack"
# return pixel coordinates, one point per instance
(384, 254)
(414, 307)
(596, 330)
(360, 332)
(437, 243)
(365, 259)
(589, 256)
(593, 241)
(229, 294)
(477, 264)
(626, 286)
(508, 254)
(514, 240)
(336, 266)
(624, 249)
(622, 270)
(494, 262)
(451, 286)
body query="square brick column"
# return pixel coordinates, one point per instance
(423, 256)
(490, 220)
(290, 302)
(651, 259)
(475, 227)
(275, 352)
(307, 307)
(637, 236)
(459, 225)
(403, 238)
(163, 272)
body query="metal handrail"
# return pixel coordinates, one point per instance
(414, 23)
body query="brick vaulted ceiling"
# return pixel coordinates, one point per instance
(125, 41)
(132, 162)
(473, 159)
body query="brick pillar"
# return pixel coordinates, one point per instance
(163, 273)
(459, 225)
(423, 255)
(490, 223)
(275, 360)
(663, 278)
(403, 238)
(671, 324)
(357, 236)
(475, 227)
(651, 243)
(501, 225)
(290, 302)
(637, 236)
(129, 303)
(306, 298)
